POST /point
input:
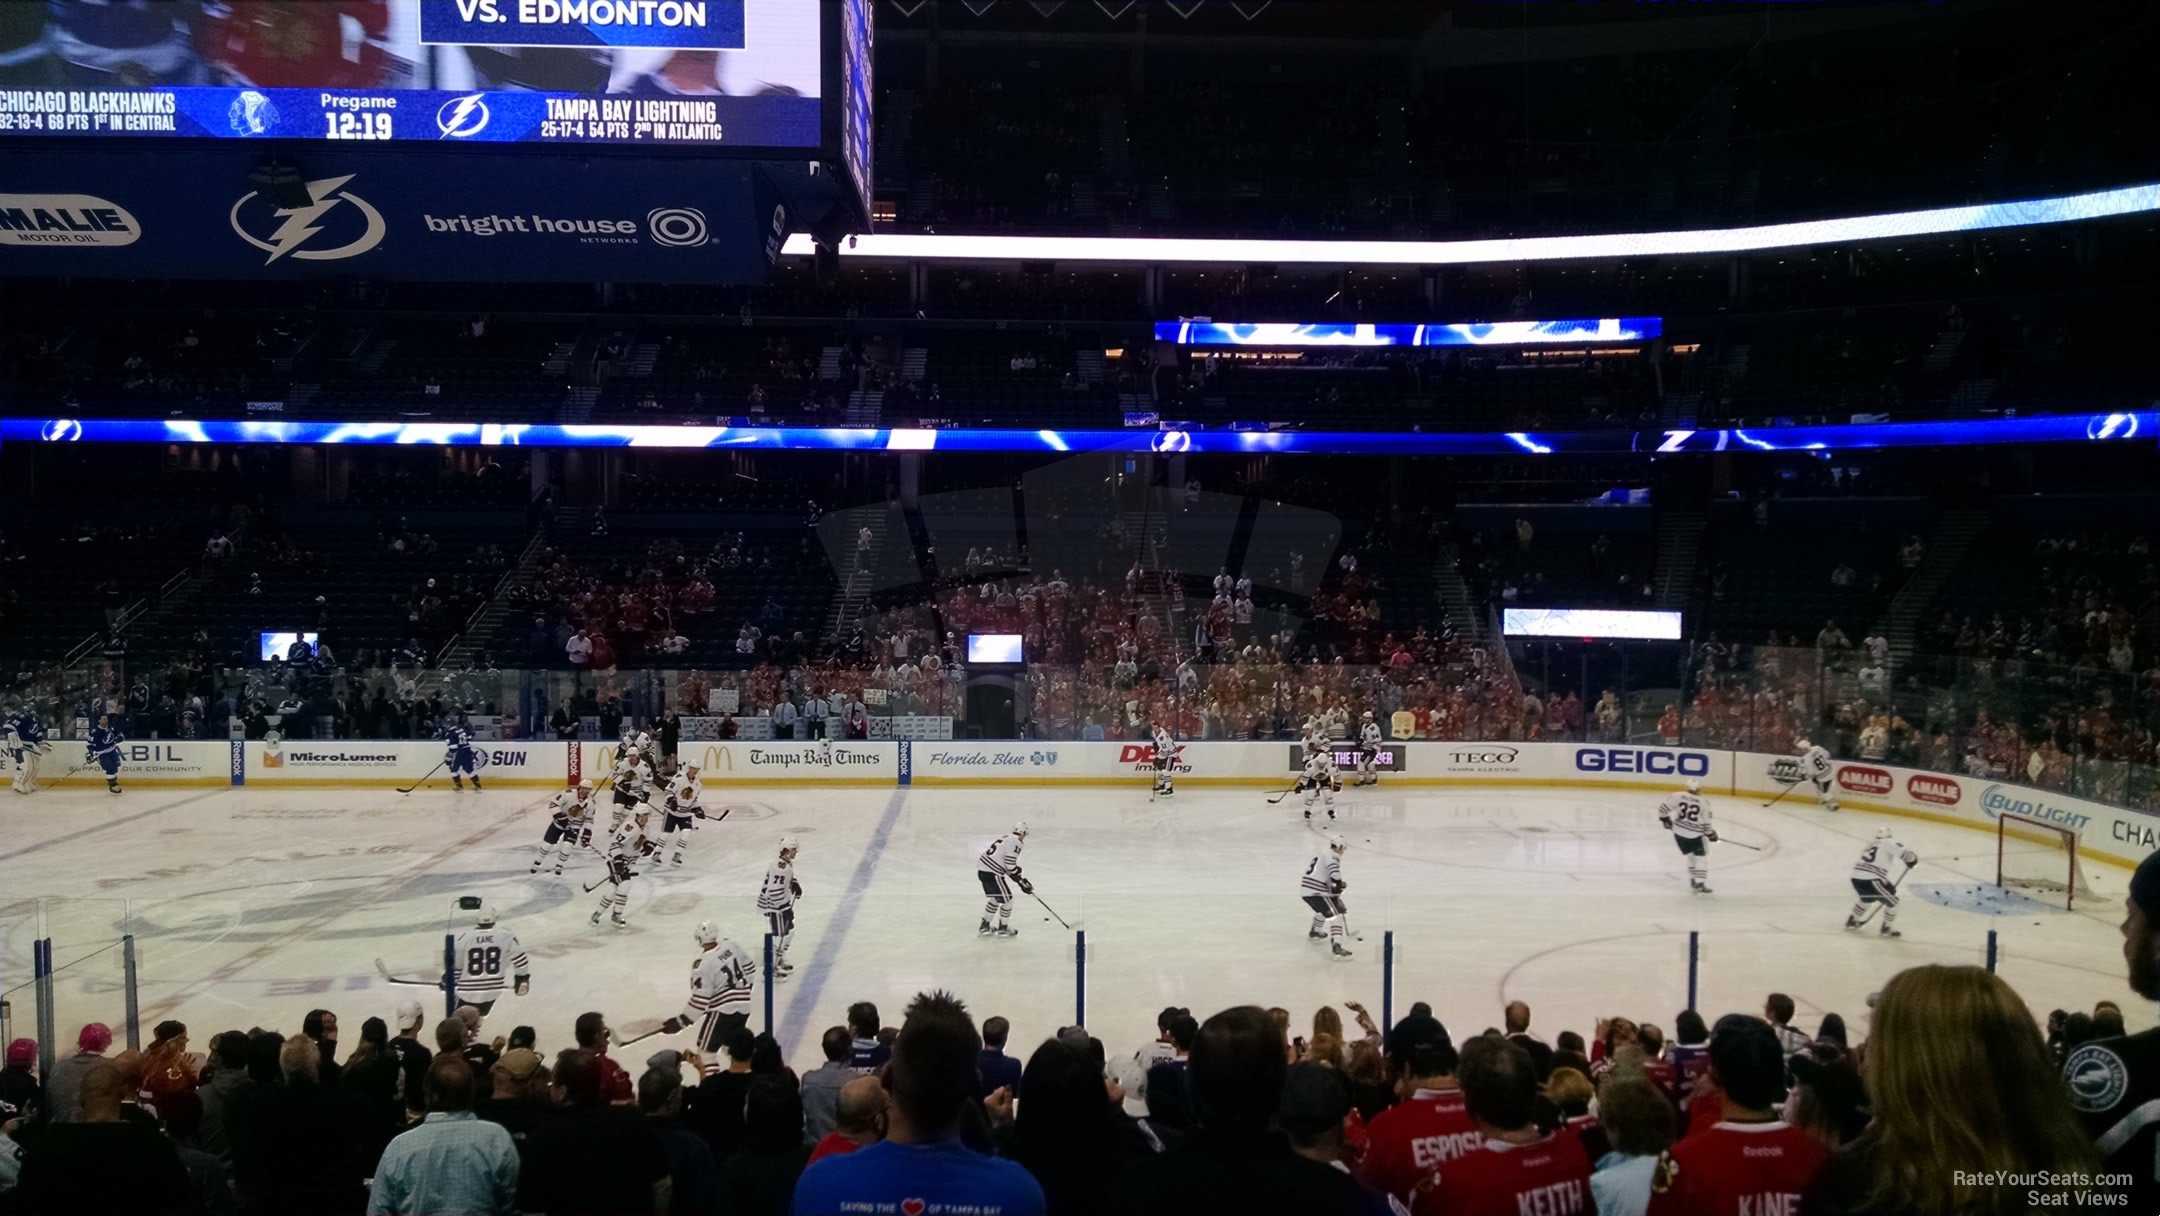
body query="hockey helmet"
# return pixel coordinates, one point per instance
(1367, 715)
(1335, 842)
(1882, 833)
(691, 768)
(1694, 785)
(1801, 745)
(485, 917)
(584, 789)
(789, 844)
(1020, 828)
(707, 934)
(644, 808)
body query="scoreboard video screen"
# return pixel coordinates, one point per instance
(730, 73)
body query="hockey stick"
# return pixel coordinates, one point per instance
(639, 1038)
(1282, 794)
(48, 782)
(1780, 794)
(1047, 908)
(385, 972)
(1752, 848)
(424, 780)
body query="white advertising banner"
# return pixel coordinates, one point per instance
(193, 762)
(2104, 832)
(761, 761)
(359, 762)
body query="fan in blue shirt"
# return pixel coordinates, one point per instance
(921, 1167)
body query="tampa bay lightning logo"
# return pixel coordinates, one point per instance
(1171, 441)
(60, 430)
(2112, 426)
(251, 113)
(462, 117)
(2096, 1076)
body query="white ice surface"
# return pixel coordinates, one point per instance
(252, 906)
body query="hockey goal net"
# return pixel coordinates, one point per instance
(2040, 859)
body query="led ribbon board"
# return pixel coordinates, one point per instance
(1468, 333)
(2055, 428)
(1172, 251)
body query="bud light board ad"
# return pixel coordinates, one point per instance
(728, 73)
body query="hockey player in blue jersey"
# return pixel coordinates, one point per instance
(459, 755)
(103, 750)
(25, 741)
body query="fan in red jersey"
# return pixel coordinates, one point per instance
(1518, 1171)
(1751, 1160)
(1428, 1129)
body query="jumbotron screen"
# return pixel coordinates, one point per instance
(744, 73)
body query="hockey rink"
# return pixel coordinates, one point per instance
(251, 906)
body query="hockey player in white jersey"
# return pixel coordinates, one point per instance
(680, 809)
(1322, 886)
(635, 739)
(999, 870)
(570, 825)
(489, 959)
(1165, 759)
(1368, 755)
(1873, 884)
(1687, 817)
(776, 899)
(632, 780)
(627, 851)
(1321, 780)
(1815, 766)
(719, 1003)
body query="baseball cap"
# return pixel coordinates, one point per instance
(95, 1036)
(1131, 1076)
(518, 1064)
(1314, 1099)
(410, 1014)
(22, 1051)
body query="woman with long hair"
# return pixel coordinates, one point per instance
(1961, 1083)
(1068, 1134)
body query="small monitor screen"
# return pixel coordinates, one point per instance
(1589, 623)
(993, 648)
(276, 645)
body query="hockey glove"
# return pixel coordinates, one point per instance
(673, 1025)
(1665, 822)
(795, 888)
(1341, 886)
(1711, 835)
(524, 985)
(1026, 887)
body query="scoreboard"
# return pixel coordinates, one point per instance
(736, 74)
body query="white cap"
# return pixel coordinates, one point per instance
(1882, 833)
(1694, 785)
(1020, 828)
(691, 766)
(410, 1013)
(1367, 714)
(584, 788)
(788, 844)
(1335, 842)
(707, 934)
(644, 808)
(486, 915)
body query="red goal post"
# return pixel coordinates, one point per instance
(2039, 858)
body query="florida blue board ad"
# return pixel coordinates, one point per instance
(490, 216)
(734, 73)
